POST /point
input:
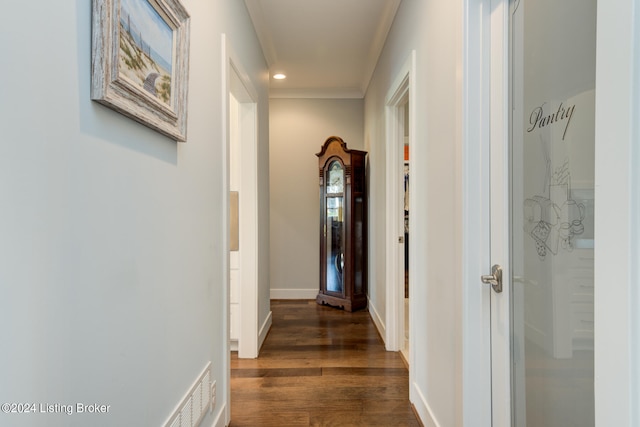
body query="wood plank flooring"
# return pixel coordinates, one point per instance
(320, 366)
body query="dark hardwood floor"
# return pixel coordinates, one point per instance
(320, 366)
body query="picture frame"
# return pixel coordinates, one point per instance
(140, 62)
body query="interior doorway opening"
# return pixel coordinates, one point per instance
(398, 156)
(241, 153)
(405, 208)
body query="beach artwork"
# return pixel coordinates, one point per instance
(146, 48)
(140, 61)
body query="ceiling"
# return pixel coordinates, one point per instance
(327, 48)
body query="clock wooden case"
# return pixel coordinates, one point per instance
(343, 226)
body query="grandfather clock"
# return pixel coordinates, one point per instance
(343, 226)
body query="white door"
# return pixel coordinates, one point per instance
(542, 204)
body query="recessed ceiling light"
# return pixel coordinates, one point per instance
(279, 76)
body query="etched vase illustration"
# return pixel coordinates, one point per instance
(554, 222)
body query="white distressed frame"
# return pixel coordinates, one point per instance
(109, 88)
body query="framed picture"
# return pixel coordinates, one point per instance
(140, 61)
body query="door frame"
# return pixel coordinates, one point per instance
(402, 88)
(236, 81)
(617, 208)
(485, 125)
(499, 201)
(476, 139)
(239, 84)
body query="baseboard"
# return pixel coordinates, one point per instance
(294, 293)
(377, 320)
(422, 408)
(219, 420)
(264, 330)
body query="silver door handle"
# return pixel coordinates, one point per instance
(494, 279)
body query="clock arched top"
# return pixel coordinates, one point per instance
(335, 146)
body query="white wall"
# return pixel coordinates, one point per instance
(433, 29)
(110, 255)
(298, 128)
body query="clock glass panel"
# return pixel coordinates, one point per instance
(335, 178)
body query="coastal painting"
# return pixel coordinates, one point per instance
(140, 62)
(146, 48)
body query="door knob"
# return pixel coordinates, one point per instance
(494, 279)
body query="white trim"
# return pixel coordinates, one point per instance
(423, 408)
(377, 320)
(248, 346)
(237, 81)
(254, 7)
(224, 231)
(265, 328)
(344, 93)
(395, 250)
(476, 310)
(294, 293)
(219, 420)
(499, 211)
(378, 41)
(616, 330)
(634, 275)
(402, 88)
(234, 61)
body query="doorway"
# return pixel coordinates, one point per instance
(405, 212)
(241, 152)
(399, 123)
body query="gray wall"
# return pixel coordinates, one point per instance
(433, 29)
(110, 248)
(298, 128)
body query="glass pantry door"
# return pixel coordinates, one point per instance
(553, 52)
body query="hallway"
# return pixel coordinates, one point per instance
(320, 366)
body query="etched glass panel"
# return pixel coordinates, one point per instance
(553, 144)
